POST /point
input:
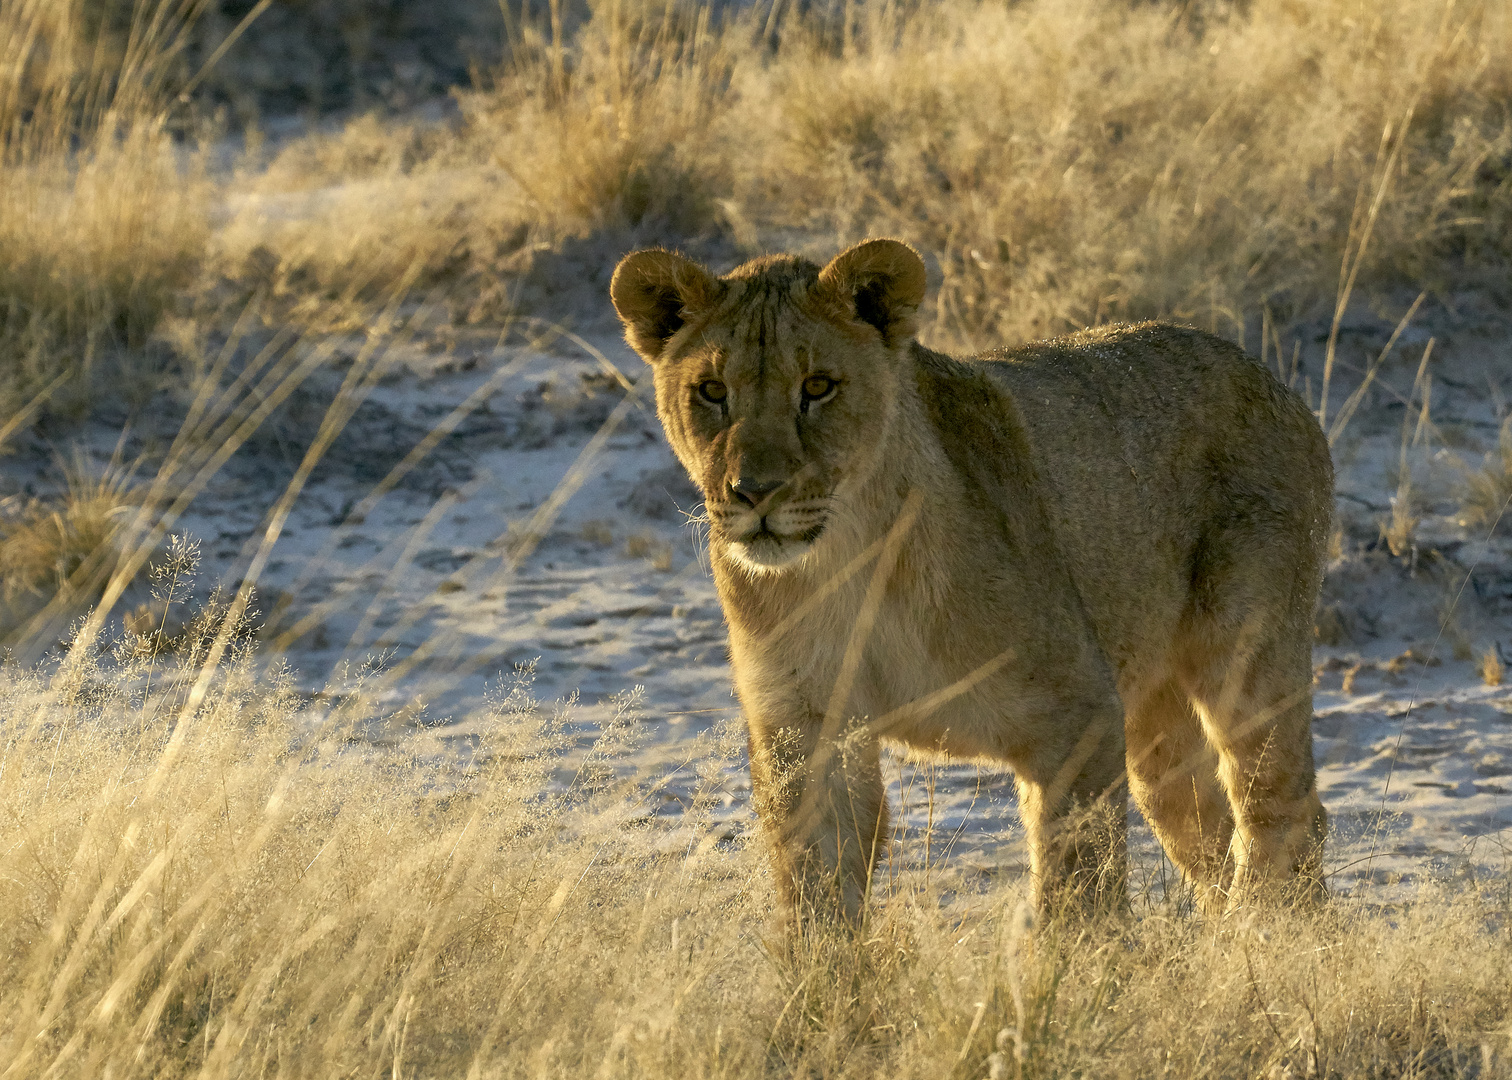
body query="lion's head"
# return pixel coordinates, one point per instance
(777, 383)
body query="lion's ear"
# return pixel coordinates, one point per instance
(881, 283)
(655, 292)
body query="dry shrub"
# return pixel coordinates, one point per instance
(598, 533)
(328, 255)
(1486, 500)
(621, 129)
(1490, 667)
(608, 132)
(644, 545)
(96, 252)
(1068, 163)
(102, 219)
(58, 553)
(339, 219)
(1062, 163)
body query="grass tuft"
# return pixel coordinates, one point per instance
(621, 127)
(102, 218)
(1487, 494)
(61, 551)
(1492, 670)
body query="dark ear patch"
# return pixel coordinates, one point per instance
(654, 292)
(663, 308)
(871, 306)
(880, 283)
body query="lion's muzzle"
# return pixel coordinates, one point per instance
(766, 532)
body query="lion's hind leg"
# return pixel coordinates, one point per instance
(1256, 708)
(1173, 776)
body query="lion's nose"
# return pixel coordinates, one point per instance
(752, 491)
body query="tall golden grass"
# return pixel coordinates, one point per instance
(62, 550)
(1061, 163)
(251, 884)
(1488, 490)
(102, 219)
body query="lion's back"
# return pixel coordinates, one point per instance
(1188, 406)
(1177, 470)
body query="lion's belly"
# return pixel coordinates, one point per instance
(916, 699)
(1127, 522)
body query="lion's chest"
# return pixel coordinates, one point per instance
(891, 663)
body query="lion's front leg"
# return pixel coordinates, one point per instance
(823, 811)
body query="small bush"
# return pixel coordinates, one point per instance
(624, 127)
(1061, 164)
(102, 219)
(58, 553)
(1492, 670)
(1486, 501)
(340, 220)
(97, 250)
(616, 130)
(1068, 164)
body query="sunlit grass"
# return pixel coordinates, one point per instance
(1486, 499)
(251, 883)
(103, 220)
(62, 550)
(1060, 163)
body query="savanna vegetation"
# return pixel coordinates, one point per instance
(204, 872)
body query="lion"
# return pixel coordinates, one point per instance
(1093, 560)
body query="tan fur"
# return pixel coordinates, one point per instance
(1093, 559)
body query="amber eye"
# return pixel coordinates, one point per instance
(713, 390)
(817, 386)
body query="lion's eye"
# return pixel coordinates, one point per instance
(713, 390)
(818, 386)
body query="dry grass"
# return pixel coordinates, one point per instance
(1487, 495)
(647, 546)
(327, 243)
(1061, 163)
(242, 883)
(95, 256)
(102, 219)
(1490, 667)
(58, 553)
(598, 533)
(625, 126)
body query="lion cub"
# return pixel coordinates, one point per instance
(1093, 560)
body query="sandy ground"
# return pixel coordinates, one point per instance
(474, 566)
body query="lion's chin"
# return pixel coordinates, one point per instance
(768, 553)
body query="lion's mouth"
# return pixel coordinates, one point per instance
(766, 547)
(765, 534)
